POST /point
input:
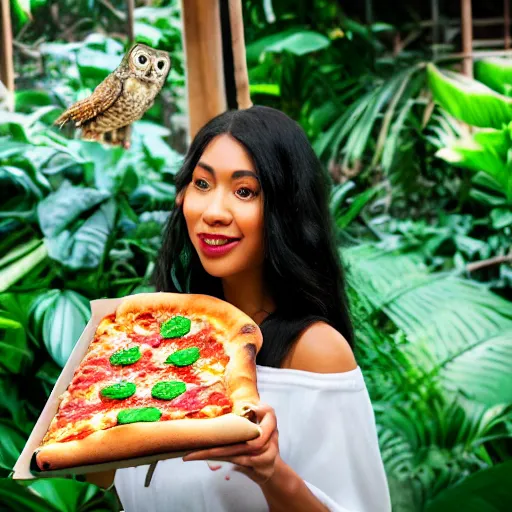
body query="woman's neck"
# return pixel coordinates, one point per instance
(248, 293)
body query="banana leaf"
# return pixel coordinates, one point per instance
(468, 100)
(495, 73)
(486, 151)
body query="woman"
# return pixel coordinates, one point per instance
(251, 226)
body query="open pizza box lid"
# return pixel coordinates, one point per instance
(25, 467)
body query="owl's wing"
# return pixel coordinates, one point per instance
(100, 100)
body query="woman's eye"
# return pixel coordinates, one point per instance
(245, 192)
(202, 184)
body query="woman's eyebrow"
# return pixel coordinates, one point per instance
(236, 174)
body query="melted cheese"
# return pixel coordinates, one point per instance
(111, 338)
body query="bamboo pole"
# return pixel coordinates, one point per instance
(202, 40)
(6, 57)
(467, 37)
(243, 96)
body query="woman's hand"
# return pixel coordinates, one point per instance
(257, 458)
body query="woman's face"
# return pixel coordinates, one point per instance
(223, 209)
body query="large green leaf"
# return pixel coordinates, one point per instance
(295, 40)
(20, 178)
(468, 100)
(62, 207)
(60, 318)
(75, 242)
(72, 496)
(21, 8)
(16, 497)
(495, 73)
(85, 247)
(487, 151)
(486, 491)
(300, 43)
(12, 441)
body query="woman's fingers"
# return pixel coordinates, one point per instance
(251, 461)
(215, 453)
(222, 452)
(268, 425)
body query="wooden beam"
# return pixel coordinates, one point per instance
(202, 41)
(455, 22)
(483, 54)
(6, 58)
(243, 96)
(467, 36)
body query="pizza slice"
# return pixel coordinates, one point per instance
(165, 372)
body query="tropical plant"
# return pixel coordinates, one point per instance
(486, 149)
(440, 383)
(80, 221)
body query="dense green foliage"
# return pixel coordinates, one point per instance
(418, 197)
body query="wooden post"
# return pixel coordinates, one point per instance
(368, 10)
(506, 24)
(130, 28)
(6, 59)
(243, 96)
(202, 40)
(467, 37)
(434, 9)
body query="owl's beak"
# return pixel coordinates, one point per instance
(149, 72)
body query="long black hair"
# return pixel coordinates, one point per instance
(302, 268)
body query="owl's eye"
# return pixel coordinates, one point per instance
(142, 59)
(161, 64)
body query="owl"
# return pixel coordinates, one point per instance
(122, 98)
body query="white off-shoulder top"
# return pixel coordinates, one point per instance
(327, 434)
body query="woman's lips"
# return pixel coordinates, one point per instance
(216, 250)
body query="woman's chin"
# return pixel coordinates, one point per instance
(219, 269)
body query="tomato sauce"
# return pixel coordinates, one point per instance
(99, 369)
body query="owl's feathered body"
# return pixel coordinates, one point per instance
(122, 98)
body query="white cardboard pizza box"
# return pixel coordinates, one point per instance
(25, 467)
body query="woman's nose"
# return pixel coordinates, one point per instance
(217, 211)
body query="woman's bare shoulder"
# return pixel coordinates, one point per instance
(321, 349)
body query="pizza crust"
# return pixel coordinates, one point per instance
(242, 340)
(140, 439)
